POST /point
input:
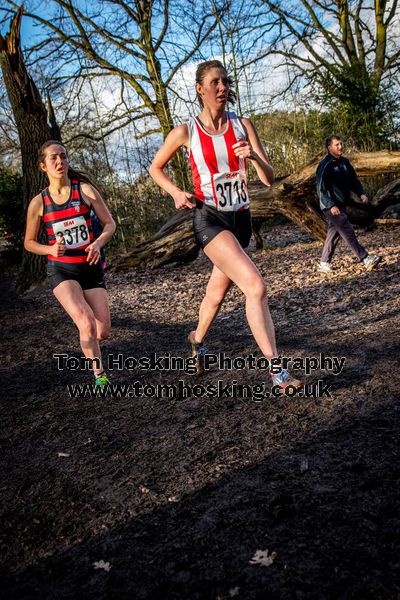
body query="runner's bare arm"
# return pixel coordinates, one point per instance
(254, 151)
(92, 197)
(33, 222)
(177, 138)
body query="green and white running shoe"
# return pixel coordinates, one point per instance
(102, 381)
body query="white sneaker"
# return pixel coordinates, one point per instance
(324, 267)
(283, 379)
(371, 261)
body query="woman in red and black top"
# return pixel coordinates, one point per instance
(73, 254)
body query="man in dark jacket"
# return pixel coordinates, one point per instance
(336, 179)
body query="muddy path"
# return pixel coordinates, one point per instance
(144, 497)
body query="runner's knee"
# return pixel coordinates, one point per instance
(103, 332)
(215, 297)
(87, 326)
(255, 289)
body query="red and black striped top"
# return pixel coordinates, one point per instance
(69, 222)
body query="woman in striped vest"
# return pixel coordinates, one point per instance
(219, 143)
(73, 253)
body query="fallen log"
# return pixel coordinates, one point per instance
(387, 222)
(387, 195)
(173, 242)
(391, 215)
(293, 196)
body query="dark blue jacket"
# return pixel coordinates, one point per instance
(336, 178)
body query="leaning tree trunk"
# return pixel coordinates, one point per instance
(33, 129)
(292, 196)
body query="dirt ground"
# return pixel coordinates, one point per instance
(131, 498)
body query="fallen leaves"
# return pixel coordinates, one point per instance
(101, 564)
(303, 465)
(262, 558)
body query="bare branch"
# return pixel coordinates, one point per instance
(165, 26)
(140, 136)
(107, 133)
(189, 55)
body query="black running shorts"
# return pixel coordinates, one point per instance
(209, 222)
(88, 276)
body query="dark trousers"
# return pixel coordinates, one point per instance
(339, 226)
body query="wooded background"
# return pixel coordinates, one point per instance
(111, 78)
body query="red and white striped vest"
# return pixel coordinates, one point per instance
(219, 176)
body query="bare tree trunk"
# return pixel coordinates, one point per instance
(33, 129)
(292, 196)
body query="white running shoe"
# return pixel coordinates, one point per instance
(371, 261)
(324, 267)
(285, 379)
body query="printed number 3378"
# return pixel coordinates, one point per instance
(76, 234)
